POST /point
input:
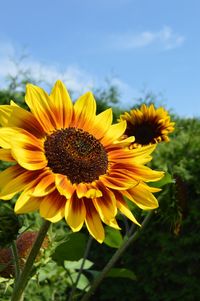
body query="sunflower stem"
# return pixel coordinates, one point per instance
(126, 243)
(15, 260)
(87, 249)
(131, 230)
(25, 274)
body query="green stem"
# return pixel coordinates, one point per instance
(24, 277)
(81, 268)
(15, 259)
(126, 243)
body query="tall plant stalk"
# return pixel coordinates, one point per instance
(22, 280)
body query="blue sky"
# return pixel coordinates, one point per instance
(139, 44)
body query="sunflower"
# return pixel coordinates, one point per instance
(71, 163)
(148, 125)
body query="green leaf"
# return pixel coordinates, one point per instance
(73, 265)
(167, 179)
(93, 273)
(73, 249)
(113, 237)
(121, 273)
(83, 283)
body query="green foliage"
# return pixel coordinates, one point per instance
(6, 96)
(113, 237)
(76, 265)
(121, 273)
(167, 179)
(73, 249)
(107, 98)
(83, 284)
(9, 225)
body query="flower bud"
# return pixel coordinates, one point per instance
(24, 245)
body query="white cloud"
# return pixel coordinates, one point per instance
(165, 38)
(75, 78)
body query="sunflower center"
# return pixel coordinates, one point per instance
(76, 154)
(144, 133)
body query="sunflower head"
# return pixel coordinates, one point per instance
(70, 163)
(148, 125)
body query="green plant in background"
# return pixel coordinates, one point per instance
(72, 265)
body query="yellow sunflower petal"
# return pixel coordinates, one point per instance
(14, 116)
(84, 111)
(58, 216)
(63, 107)
(6, 136)
(143, 198)
(40, 105)
(146, 174)
(142, 156)
(75, 213)
(117, 182)
(30, 160)
(125, 174)
(12, 103)
(150, 188)
(123, 143)
(113, 223)
(134, 156)
(45, 185)
(118, 154)
(26, 140)
(125, 162)
(81, 190)
(102, 124)
(28, 151)
(5, 155)
(115, 132)
(87, 190)
(93, 193)
(13, 180)
(123, 207)
(93, 222)
(52, 207)
(26, 203)
(106, 206)
(64, 185)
